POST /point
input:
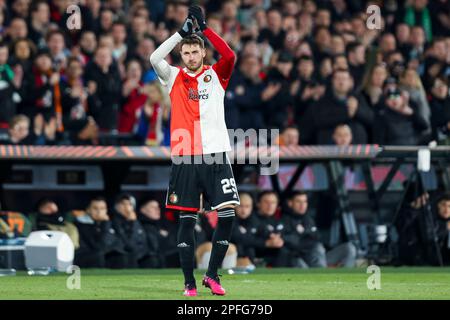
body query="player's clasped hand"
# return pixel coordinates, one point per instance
(187, 28)
(197, 13)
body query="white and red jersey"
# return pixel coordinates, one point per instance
(197, 116)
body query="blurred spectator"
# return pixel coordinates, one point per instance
(50, 218)
(276, 96)
(100, 246)
(153, 116)
(271, 229)
(19, 130)
(160, 235)
(398, 122)
(410, 82)
(357, 61)
(443, 226)
(104, 89)
(133, 98)
(243, 102)
(273, 34)
(440, 111)
(303, 240)
(39, 22)
(81, 128)
(88, 44)
(337, 107)
(290, 137)
(10, 81)
(129, 229)
(342, 135)
(418, 14)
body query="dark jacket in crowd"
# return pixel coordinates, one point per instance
(100, 245)
(133, 236)
(393, 128)
(277, 108)
(104, 103)
(440, 117)
(7, 89)
(246, 236)
(243, 105)
(301, 233)
(323, 117)
(161, 242)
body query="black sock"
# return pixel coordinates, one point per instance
(220, 240)
(186, 245)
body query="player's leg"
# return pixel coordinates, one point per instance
(186, 249)
(221, 192)
(183, 195)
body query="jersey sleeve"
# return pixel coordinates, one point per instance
(223, 67)
(166, 73)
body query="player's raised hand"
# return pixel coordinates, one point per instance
(197, 13)
(188, 27)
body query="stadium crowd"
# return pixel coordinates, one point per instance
(313, 66)
(313, 69)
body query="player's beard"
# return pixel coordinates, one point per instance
(194, 68)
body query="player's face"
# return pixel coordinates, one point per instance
(192, 56)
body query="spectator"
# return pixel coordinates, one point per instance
(104, 89)
(160, 235)
(356, 60)
(271, 229)
(19, 130)
(88, 44)
(276, 95)
(130, 230)
(39, 22)
(50, 218)
(10, 81)
(133, 98)
(273, 33)
(342, 135)
(290, 137)
(443, 226)
(119, 34)
(245, 233)
(303, 239)
(82, 129)
(418, 14)
(337, 107)
(18, 29)
(153, 116)
(440, 111)
(372, 86)
(57, 48)
(410, 82)
(243, 98)
(100, 246)
(398, 122)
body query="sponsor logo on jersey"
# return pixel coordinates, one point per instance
(196, 95)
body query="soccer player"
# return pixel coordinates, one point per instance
(199, 136)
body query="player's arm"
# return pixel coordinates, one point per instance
(223, 67)
(162, 68)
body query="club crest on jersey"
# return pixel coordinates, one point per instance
(207, 78)
(173, 198)
(195, 95)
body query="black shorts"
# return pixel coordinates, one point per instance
(197, 175)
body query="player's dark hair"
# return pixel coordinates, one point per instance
(192, 39)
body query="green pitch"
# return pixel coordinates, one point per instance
(396, 283)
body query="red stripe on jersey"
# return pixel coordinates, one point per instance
(185, 133)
